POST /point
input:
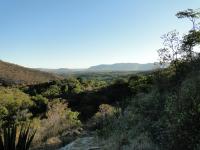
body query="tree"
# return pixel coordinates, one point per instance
(189, 42)
(191, 14)
(171, 52)
(193, 37)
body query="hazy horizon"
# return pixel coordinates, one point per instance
(80, 34)
(80, 68)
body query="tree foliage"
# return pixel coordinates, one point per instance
(190, 14)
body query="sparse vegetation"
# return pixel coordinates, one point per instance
(154, 110)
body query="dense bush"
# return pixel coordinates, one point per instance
(40, 104)
(140, 83)
(14, 105)
(52, 91)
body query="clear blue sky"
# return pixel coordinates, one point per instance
(81, 33)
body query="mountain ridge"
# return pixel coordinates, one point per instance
(124, 67)
(106, 68)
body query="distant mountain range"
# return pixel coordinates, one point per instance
(124, 67)
(15, 74)
(105, 68)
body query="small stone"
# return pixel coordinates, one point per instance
(53, 140)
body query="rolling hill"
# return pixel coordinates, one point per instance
(118, 67)
(15, 74)
(124, 67)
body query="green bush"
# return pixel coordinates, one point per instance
(40, 104)
(140, 83)
(52, 91)
(14, 105)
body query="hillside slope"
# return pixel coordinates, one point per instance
(15, 74)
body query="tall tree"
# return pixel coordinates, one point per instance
(192, 15)
(190, 40)
(193, 37)
(171, 52)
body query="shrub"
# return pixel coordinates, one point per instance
(103, 117)
(59, 120)
(125, 131)
(52, 91)
(14, 105)
(40, 104)
(76, 90)
(140, 83)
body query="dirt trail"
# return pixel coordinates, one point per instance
(84, 143)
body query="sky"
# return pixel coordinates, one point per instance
(83, 33)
